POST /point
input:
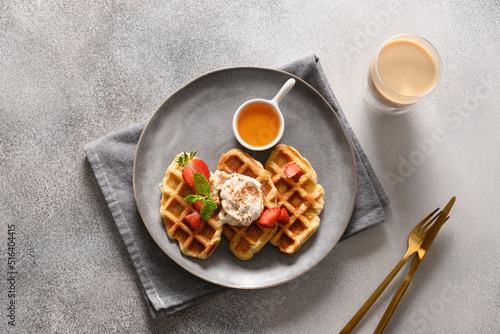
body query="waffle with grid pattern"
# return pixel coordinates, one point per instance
(245, 241)
(301, 195)
(199, 243)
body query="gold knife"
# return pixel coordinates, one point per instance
(431, 235)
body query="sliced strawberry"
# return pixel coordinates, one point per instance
(284, 216)
(195, 166)
(269, 217)
(291, 170)
(197, 206)
(193, 220)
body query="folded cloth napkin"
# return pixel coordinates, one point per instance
(167, 286)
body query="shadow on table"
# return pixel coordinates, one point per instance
(394, 145)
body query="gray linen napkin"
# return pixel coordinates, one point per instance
(169, 288)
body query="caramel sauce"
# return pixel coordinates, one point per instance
(258, 124)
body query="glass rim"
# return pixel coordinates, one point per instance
(428, 47)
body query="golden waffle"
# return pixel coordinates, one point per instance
(301, 195)
(245, 241)
(199, 243)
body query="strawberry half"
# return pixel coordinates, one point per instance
(197, 206)
(269, 217)
(193, 220)
(291, 170)
(194, 166)
(284, 216)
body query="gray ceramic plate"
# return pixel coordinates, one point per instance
(198, 117)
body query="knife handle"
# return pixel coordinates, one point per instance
(394, 303)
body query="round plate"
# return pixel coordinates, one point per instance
(198, 117)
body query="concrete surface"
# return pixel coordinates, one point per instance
(72, 71)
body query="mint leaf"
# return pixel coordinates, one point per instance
(201, 184)
(211, 204)
(207, 208)
(194, 198)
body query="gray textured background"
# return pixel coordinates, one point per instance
(72, 71)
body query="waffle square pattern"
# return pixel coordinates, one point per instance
(199, 243)
(245, 241)
(301, 195)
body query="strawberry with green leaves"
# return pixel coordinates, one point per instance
(196, 173)
(191, 166)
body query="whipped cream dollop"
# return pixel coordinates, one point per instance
(239, 196)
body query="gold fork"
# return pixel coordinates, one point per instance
(414, 266)
(415, 240)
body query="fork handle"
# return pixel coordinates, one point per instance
(394, 303)
(369, 302)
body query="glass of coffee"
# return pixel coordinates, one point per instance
(404, 70)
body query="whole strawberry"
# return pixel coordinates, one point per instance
(192, 165)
